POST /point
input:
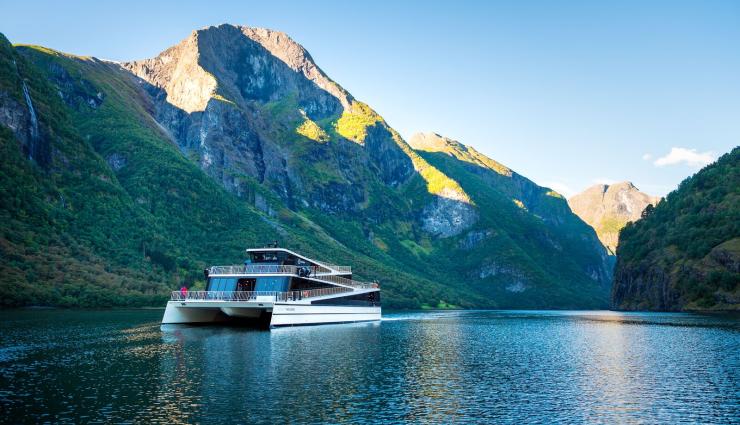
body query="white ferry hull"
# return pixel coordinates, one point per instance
(290, 314)
(295, 315)
(175, 313)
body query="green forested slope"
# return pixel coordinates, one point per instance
(532, 246)
(76, 231)
(120, 198)
(685, 253)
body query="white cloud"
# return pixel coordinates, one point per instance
(691, 157)
(647, 157)
(561, 188)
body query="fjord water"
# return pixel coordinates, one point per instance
(442, 367)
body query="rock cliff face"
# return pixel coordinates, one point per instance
(237, 98)
(18, 113)
(607, 208)
(235, 136)
(685, 253)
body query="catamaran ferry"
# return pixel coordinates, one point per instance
(280, 287)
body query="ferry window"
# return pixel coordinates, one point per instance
(228, 284)
(278, 284)
(222, 284)
(264, 257)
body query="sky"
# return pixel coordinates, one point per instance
(566, 93)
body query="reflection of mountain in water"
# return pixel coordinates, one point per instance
(440, 367)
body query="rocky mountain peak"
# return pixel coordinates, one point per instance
(608, 207)
(177, 71)
(239, 99)
(239, 63)
(617, 187)
(297, 58)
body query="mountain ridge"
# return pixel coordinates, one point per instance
(290, 161)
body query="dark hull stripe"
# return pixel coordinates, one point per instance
(314, 314)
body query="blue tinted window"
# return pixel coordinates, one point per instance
(229, 284)
(278, 284)
(222, 284)
(212, 284)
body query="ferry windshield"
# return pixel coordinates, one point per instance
(264, 257)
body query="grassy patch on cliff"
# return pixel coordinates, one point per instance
(353, 123)
(311, 130)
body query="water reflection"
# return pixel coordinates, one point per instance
(338, 359)
(430, 364)
(604, 372)
(441, 367)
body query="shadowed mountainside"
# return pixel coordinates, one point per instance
(124, 180)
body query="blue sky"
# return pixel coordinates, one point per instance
(567, 93)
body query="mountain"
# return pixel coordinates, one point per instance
(525, 242)
(684, 254)
(608, 207)
(124, 180)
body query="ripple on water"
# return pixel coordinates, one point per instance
(442, 367)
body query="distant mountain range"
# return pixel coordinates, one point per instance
(121, 182)
(685, 253)
(609, 207)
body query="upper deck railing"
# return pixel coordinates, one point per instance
(319, 273)
(274, 268)
(340, 269)
(344, 281)
(264, 269)
(255, 295)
